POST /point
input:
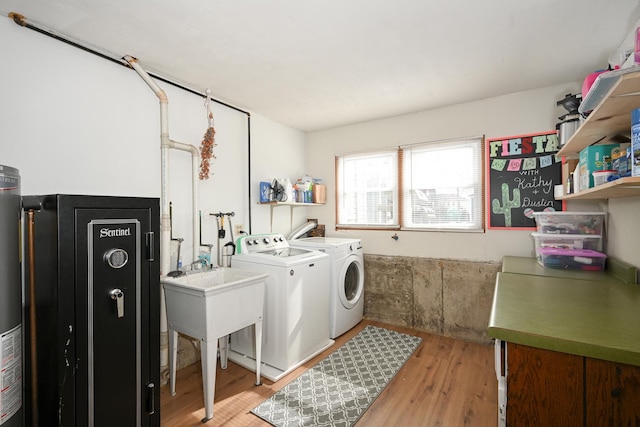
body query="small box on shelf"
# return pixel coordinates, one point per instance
(265, 192)
(592, 159)
(319, 193)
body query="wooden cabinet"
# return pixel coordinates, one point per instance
(544, 388)
(549, 388)
(611, 118)
(612, 394)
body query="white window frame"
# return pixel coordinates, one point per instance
(447, 194)
(351, 210)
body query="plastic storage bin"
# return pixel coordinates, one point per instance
(571, 259)
(567, 241)
(570, 222)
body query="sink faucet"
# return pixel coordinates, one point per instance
(201, 265)
(198, 264)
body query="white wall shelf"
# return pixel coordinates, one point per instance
(291, 205)
(623, 187)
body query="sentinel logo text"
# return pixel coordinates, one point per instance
(105, 232)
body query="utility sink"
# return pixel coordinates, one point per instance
(191, 299)
(208, 306)
(212, 280)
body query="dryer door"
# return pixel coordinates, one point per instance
(351, 281)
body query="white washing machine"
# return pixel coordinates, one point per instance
(346, 305)
(295, 327)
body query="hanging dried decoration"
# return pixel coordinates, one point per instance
(206, 152)
(208, 142)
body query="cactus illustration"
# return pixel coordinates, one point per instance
(507, 204)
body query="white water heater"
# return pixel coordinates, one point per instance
(11, 414)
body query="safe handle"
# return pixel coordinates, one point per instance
(118, 296)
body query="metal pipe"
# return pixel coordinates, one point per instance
(209, 246)
(249, 183)
(219, 254)
(221, 214)
(23, 21)
(165, 222)
(32, 316)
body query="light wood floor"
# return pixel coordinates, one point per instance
(447, 382)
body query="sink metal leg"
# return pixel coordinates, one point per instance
(258, 333)
(208, 354)
(223, 344)
(173, 355)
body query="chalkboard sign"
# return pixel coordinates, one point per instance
(521, 174)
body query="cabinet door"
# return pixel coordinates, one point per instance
(544, 388)
(612, 394)
(113, 296)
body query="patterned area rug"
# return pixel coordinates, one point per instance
(338, 390)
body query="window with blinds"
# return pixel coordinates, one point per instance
(442, 185)
(367, 186)
(427, 186)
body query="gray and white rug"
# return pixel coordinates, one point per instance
(340, 388)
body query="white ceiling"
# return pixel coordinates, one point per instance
(320, 64)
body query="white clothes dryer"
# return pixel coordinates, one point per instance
(346, 297)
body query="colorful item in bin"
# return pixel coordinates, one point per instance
(571, 259)
(635, 142)
(304, 189)
(621, 163)
(567, 241)
(594, 158)
(636, 54)
(569, 222)
(265, 192)
(589, 80)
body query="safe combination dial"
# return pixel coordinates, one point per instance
(116, 258)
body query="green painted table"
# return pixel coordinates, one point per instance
(616, 270)
(597, 317)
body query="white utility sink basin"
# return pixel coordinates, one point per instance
(211, 280)
(209, 305)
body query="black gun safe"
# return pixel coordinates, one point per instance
(92, 267)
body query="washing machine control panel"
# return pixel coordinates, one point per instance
(261, 243)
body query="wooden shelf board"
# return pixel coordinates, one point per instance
(623, 187)
(609, 119)
(301, 204)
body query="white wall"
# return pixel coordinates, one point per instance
(277, 151)
(514, 114)
(624, 230)
(72, 122)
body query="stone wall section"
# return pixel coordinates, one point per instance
(446, 297)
